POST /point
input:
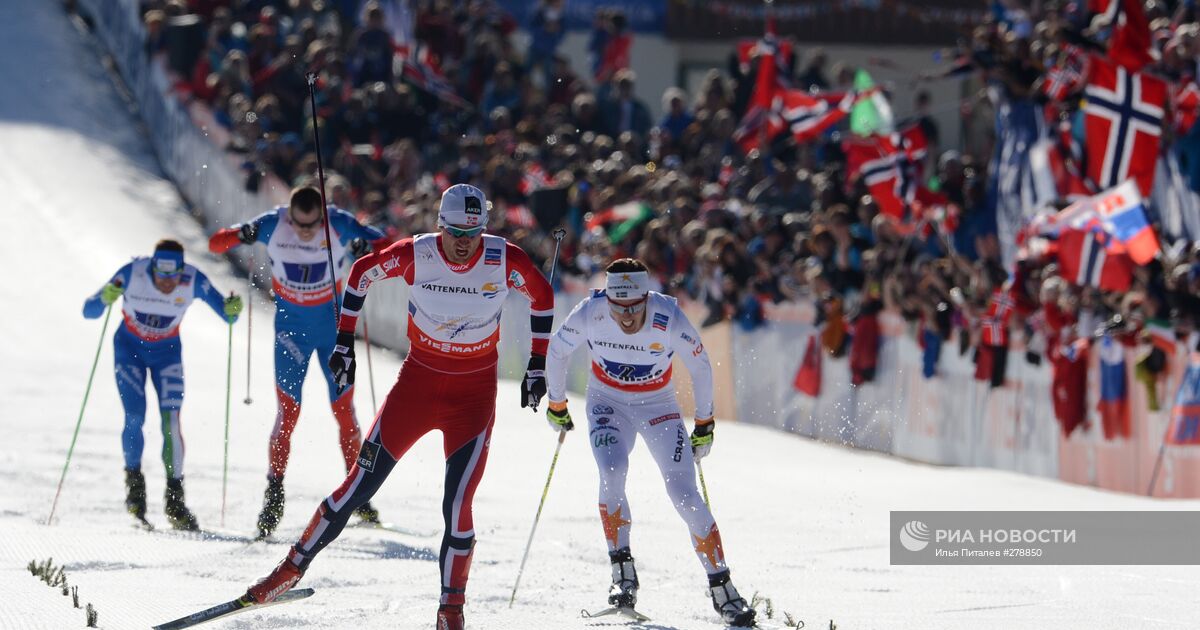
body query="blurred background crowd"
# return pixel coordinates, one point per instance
(475, 94)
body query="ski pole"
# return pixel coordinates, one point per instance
(370, 369)
(558, 234)
(228, 392)
(562, 435)
(86, 392)
(249, 323)
(703, 486)
(312, 98)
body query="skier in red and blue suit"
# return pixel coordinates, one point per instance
(304, 321)
(157, 291)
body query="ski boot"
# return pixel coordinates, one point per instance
(732, 607)
(272, 509)
(623, 593)
(135, 493)
(279, 581)
(450, 617)
(177, 512)
(368, 514)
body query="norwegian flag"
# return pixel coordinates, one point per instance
(1084, 259)
(808, 116)
(1185, 103)
(916, 148)
(1123, 118)
(781, 51)
(805, 115)
(422, 71)
(885, 168)
(994, 324)
(535, 178)
(752, 131)
(1131, 46)
(1066, 77)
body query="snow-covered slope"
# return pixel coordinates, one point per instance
(804, 524)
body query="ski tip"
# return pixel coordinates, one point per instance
(298, 593)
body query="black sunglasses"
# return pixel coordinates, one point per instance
(305, 226)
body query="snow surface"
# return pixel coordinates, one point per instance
(805, 524)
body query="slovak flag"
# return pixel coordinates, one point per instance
(1114, 391)
(1123, 215)
(1123, 120)
(1185, 416)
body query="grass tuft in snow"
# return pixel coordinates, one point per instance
(56, 577)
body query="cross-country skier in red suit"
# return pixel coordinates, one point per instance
(459, 277)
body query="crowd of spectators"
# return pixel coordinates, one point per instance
(733, 231)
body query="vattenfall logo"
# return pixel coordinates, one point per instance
(914, 535)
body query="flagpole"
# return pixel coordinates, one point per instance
(763, 141)
(1162, 449)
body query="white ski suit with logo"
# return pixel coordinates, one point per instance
(629, 394)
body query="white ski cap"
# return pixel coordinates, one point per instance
(463, 205)
(627, 285)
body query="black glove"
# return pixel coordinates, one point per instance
(341, 362)
(533, 386)
(248, 233)
(359, 248)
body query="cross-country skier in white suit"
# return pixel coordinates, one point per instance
(632, 334)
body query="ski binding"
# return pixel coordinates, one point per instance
(623, 611)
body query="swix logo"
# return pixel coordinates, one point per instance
(490, 290)
(662, 419)
(391, 263)
(281, 589)
(516, 279)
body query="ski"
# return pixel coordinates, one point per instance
(232, 607)
(615, 610)
(141, 523)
